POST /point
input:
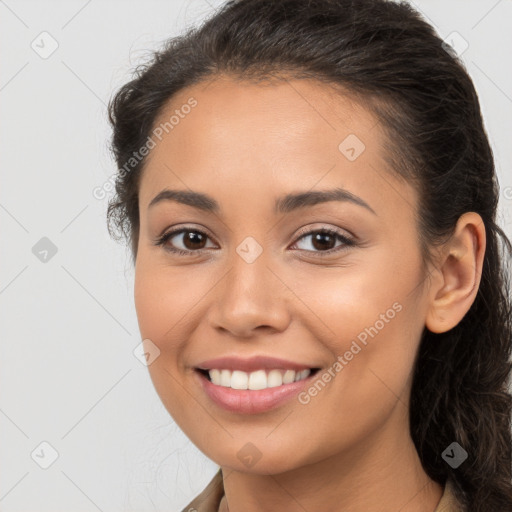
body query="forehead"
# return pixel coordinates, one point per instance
(279, 135)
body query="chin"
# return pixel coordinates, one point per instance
(258, 458)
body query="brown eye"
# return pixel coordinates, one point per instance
(324, 241)
(192, 240)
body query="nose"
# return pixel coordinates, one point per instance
(250, 297)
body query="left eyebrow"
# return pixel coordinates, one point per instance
(291, 202)
(286, 204)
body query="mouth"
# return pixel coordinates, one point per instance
(255, 392)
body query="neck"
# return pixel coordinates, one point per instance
(382, 473)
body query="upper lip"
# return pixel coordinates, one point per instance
(252, 364)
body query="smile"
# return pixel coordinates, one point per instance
(255, 392)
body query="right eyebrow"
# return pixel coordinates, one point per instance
(190, 198)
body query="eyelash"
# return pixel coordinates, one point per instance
(160, 241)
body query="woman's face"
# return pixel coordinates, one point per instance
(264, 280)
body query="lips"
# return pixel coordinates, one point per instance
(256, 385)
(248, 401)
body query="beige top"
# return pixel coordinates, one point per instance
(209, 499)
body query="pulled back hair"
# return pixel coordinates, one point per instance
(384, 53)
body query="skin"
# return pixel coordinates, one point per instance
(245, 144)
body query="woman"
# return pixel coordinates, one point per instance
(310, 199)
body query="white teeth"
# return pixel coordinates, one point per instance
(256, 380)
(225, 379)
(274, 379)
(289, 376)
(215, 375)
(239, 380)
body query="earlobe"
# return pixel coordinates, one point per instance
(458, 274)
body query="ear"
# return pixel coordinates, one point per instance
(457, 277)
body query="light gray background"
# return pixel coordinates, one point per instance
(68, 326)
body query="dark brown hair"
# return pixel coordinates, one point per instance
(385, 53)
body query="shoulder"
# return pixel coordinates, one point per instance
(208, 499)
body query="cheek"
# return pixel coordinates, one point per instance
(344, 301)
(149, 303)
(374, 338)
(169, 308)
(165, 301)
(159, 308)
(367, 315)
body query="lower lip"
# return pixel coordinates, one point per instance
(246, 401)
